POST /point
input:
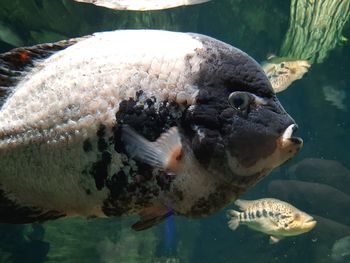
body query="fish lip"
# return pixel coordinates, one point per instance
(310, 223)
(306, 64)
(288, 132)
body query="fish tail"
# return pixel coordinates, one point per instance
(233, 215)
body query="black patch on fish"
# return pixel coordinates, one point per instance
(87, 146)
(258, 214)
(12, 213)
(117, 184)
(164, 180)
(252, 216)
(249, 135)
(147, 118)
(264, 213)
(142, 183)
(284, 216)
(227, 66)
(270, 213)
(99, 170)
(245, 215)
(101, 142)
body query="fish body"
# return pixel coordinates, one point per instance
(142, 5)
(282, 72)
(9, 36)
(271, 216)
(142, 122)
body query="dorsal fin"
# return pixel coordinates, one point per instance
(15, 63)
(243, 204)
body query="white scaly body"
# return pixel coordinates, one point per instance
(59, 108)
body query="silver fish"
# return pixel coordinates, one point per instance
(271, 216)
(282, 72)
(142, 5)
(126, 122)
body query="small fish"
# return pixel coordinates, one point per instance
(271, 216)
(142, 5)
(282, 72)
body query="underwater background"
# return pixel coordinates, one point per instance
(316, 181)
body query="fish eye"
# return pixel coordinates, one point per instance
(282, 65)
(239, 100)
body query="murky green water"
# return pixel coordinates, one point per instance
(317, 180)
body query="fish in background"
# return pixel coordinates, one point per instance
(282, 72)
(341, 250)
(142, 5)
(318, 198)
(329, 172)
(9, 36)
(335, 96)
(271, 216)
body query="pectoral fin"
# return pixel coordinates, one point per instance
(151, 216)
(164, 153)
(274, 239)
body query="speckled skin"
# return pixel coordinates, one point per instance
(61, 152)
(283, 72)
(274, 217)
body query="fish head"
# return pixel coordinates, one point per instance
(299, 223)
(282, 72)
(240, 127)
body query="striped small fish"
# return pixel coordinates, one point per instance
(271, 216)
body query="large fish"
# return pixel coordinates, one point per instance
(142, 5)
(142, 122)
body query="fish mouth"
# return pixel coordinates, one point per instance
(288, 138)
(305, 64)
(310, 223)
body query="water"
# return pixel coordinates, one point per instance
(319, 187)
